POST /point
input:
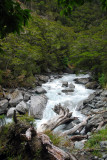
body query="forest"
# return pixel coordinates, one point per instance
(55, 41)
(53, 79)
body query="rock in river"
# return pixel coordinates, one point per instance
(38, 104)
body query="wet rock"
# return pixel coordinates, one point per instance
(10, 112)
(82, 80)
(40, 90)
(15, 98)
(22, 107)
(38, 104)
(71, 85)
(91, 85)
(64, 84)
(67, 90)
(3, 106)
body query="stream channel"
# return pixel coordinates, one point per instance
(71, 100)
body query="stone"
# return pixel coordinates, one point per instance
(103, 144)
(3, 106)
(10, 112)
(42, 78)
(22, 107)
(40, 90)
(71, 85)
(82, 80)
(67, 90)
(90, 98)
(38, 104)
(26, 97)
(104, 93)
(91, 85)
(64, 84)
(80, 144)
(15, 98)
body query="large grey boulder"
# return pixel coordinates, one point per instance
(80, 144)
(15, 98)
(91, 85)
(82, 80)
(71, 85)
(3, 106)
(40, 90)
(38, 104)
(10, 112)
(22, 107)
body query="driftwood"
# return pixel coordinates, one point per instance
(75, 128)
(56, 152)
(78, 137)
(63, 116)
(100, 125)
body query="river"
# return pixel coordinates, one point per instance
(55, 96)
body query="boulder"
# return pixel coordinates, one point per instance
(40, 90)
(3, 106)
(71, 85)
(104, 93)
(82, 80)
(64, 84)
(22, 107)
(15, 98)
(91, 85)
(90, 98)
(42, 78)
(10, 112)
(38, 104)
(26, 97)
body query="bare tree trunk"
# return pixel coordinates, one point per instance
(63, 116)
(75, 128)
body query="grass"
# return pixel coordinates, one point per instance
(55, 138)
(94, 142)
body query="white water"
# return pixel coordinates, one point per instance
(55, 96)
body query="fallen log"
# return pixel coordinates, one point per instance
(56, 152)
(63, 116)
(78, 137)
(75, 128)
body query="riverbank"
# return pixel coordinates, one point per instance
(94, 106)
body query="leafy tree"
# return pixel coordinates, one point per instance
(12, 17)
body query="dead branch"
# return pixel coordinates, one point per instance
(75, 128)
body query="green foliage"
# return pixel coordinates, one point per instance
(55, 138)
(94, 141)
(12, 17)
(27, 119)
(103, 80)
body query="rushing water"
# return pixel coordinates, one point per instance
(55, 96)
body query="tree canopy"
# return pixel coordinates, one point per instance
(68, 5)
(12, 17)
